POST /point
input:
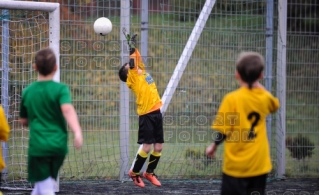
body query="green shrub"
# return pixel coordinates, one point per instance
(300, 147)
(196, 156)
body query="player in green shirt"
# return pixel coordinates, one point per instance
(46, 108)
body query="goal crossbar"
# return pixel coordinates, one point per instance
(30, 5)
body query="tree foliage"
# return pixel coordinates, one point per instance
(302, 14)
(186, 10)
(196, 157)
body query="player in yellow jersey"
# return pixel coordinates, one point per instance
(148, 102)
(241, 123)
(4, 135)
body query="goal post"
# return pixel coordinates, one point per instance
(54, 22)
(53, 36)
(124, 96)
(281, 89)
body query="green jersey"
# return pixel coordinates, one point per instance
(41, 105)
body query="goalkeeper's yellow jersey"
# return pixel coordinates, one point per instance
(244, 157)
(143, 86)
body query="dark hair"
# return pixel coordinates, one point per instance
(123, 72)
(250, 66)
(45, 61)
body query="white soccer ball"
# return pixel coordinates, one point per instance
(102, 26)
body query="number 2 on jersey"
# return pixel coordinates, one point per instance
(256, 116)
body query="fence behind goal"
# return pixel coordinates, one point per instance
(89, 65)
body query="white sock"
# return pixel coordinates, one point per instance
(35, 190)
(45, 187)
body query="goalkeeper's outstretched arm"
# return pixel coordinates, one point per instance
(138, 62)
(135, 56)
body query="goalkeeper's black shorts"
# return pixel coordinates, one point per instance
(151, 128)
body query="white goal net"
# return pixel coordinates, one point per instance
(26, 27)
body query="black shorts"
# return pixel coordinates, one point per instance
(151, 128)
(243, 186)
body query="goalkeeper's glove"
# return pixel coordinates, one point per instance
(131, 39)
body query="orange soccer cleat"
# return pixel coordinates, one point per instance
(152, 178)
(136, 179)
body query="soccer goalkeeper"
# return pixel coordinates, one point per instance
(148, 102)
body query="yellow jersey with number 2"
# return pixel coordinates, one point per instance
(242, 118)
(143, 86)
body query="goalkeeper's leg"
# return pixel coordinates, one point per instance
(152, 164)
(138, 164)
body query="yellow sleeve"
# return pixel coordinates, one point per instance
(131, 79)
(219, 122)
(4, 126)
(274, 104)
